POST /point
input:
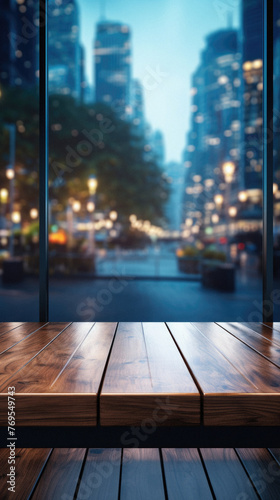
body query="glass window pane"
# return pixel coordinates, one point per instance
(155, 159)
(19, 121)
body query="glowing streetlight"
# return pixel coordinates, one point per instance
(4, 194)
(219, 199)
(228, 170)
(34, 213)
(16, 217)
(10, 173)
(215, 218)
(232, 211)
(108, 224)
(275, 188)
(76, 206)
(243, 196)
(90, 206)
(113, 215)
(133, 219)
(92, 184)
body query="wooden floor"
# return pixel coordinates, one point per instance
(156, 374)
(143, 474)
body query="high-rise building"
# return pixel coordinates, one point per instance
(19, 39)
(214, 136)
(137, 103)
(175, 176)
(112, 55)
(252, 91)
(64, 48)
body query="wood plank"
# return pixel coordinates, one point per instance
(60, 385)
(265, 331)
(10, 338)
(263, 471)
(228, 397)
(20, 354)
(61, 474)
(147, 381)
(101, 475)
(184, 475)
(29, 464)
(262, 408)
(261, 345)
(227, 476)
(7, 327)
(275, 452)
(141, 475)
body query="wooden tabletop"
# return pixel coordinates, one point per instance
(164, 474)
(147, 374)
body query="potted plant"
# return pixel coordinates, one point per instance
(216, 272)
(188, 259)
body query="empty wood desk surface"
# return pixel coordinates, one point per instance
(156, 374)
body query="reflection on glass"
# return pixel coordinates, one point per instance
(19, 159)
(156, 158)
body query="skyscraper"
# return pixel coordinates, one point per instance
(19, 39)
(64, 48)
(252, 90)
(137, 102)
(214, 136)
(112, 53)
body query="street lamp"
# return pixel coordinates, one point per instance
(10, 173)
(215, 218)
(218, 199)
(34, 213)
(92, 184)
(228, 169)
(275, 188)
(113, 215)
(232, 211)
(90, 206)
(76, 206)
(243, 196)
(16, 217)
(4, 194)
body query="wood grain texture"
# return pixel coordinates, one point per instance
(141, 475)
(10, 338)
(184, 475)
(261, 373)
(260, 344)
(20, 354)
(265, 331)
(101, 475)
(59, 386)
(29, 466)
(227, 476)
(61, 474)
(263, 471)
(225, 390)
(7, 327)
(147, 380)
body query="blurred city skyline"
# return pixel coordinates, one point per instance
(176, 29)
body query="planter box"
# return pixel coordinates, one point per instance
(13, 270)
(218, 276)
(188, 265)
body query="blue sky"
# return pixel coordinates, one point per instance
(168, 35)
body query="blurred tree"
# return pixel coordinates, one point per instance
(86, 140)
(83, 140)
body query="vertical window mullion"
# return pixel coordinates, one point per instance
(43, 167)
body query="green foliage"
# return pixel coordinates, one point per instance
(87, 140)
(190, 251)
(214, 255)
(127, 182)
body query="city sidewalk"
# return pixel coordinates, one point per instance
(121, 299)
